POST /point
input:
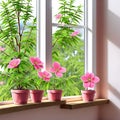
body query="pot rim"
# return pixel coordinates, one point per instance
(88, 91)
(19, 91)
(36, 91)
(54, 91)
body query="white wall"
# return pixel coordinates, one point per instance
(53, 113)
(108, 57)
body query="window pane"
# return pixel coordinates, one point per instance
(68, 42)
(56, 4)
(71, 55)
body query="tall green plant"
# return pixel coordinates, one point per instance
(17, 36)
(71, 16)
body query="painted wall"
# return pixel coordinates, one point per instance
(108, 57)
(53, 113)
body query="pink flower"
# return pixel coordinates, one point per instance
(75, 33)
(38, 64)
(58, 16)
(89, 80)
(57, 69)
(14, 63)
(45, 75)
(2, 48)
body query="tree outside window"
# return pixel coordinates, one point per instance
(68, 42)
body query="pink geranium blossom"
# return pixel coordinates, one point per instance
(14, 63)
(38, 64)
(57, 69)
(75, 33)
(89, 80)
(45, 75)
(58, 16)
(2, 48)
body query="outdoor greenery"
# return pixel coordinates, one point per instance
(68, 49)
(18, 37)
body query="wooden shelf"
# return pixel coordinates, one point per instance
(66, 103)
(10, 107)
(80, 104)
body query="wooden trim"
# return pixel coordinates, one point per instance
(72, 102)
(9, 108)
(72, 98)
(80, 104)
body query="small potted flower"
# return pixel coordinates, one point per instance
(17, 44)
(89, 81)
(38, 78)
(22, 76)
(17, 79)
(55, 93)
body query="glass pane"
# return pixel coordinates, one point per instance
(68, 49)
(33, 7)
(17, 40)
(68, 42)
(67, 10)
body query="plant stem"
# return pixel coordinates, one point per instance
(54, 82)
(20, 35)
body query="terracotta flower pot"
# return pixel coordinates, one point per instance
(20, 96)
(88, 95)
(54, 95)
(36, 95)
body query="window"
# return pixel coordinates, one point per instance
(48, 27)
(48, 10)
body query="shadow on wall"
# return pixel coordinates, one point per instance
(110, 47)
(113, 28)
(115, 92)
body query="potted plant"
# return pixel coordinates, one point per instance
(89, 81)
(17, 80)
(37, 79)
(55, 93)
(17, 43)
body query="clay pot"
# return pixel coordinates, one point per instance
(88, 95)
(20, 96)
(36, 95)
(54, 95)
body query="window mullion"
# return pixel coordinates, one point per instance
(94, 36)
(86, 33)
(72, 26)
(44, 31)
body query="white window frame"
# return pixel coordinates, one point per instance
(90, 37)
(44, 33)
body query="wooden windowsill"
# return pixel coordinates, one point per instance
(65, 103)
(10, 107)
(79, 104)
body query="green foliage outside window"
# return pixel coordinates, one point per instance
(67, 49)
